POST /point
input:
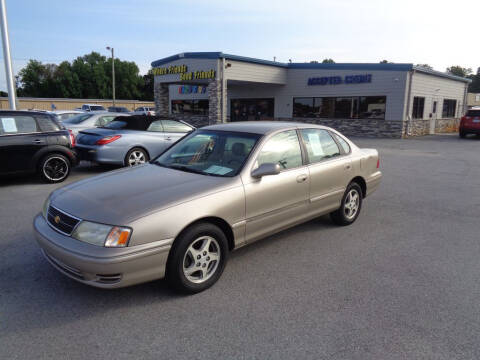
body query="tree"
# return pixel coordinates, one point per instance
(88, 76)
(426, 66)
(459, 71)
(328, 61)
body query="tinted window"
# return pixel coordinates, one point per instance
(175, 126)
(17, 125)
(47, 124)
(78, 119)
(283, 149)
(130, 123)
(343, 143)
(320, 145)
(473, 113)
(96, 108)
(217, 153)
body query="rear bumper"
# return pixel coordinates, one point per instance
(98, 266)
(100, 154)
(373, 182)
(470, 129)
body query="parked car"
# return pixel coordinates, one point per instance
(118, 109)
(470, 123)
(62, 115)
(89, 120)
(91, 107)
(216, 190)
(144, 110)
(35, 142)
(130, 141)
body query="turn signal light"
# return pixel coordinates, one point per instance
(118, 237)
(108, 139)
(72, 138)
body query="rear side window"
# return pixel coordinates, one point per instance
(175, 126)
(473, 113)
(320, 145)
(17, 125)
(156, 126)
(47, 124)
(104, 120)
(342, 142)
(283, 149)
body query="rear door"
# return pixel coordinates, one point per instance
(20, 139)
(330, 169)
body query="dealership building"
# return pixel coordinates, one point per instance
(382, 99)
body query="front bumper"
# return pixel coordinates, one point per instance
(99, 266)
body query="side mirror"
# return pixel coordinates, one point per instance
(266, 169)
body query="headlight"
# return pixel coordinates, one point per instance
(102, 235)
(46, 205)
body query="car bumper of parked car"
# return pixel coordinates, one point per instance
(373, 182)
(99, 266)
(470, 130)
(100, 154)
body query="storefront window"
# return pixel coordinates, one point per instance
(303, 107)
(449, 107)
(363, 107)
(251, 109)
(199, 107)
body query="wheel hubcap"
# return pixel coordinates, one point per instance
(136, 158)
(201, 259)
(352, 203)
(55, 168)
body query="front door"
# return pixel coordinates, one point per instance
(277, 201)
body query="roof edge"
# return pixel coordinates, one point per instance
(441, 74)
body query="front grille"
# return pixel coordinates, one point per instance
(61, 221)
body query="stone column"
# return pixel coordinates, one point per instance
(214, 102)
(162, 99)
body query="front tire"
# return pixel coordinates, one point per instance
(350, 206)
(136, 156)
(197, 258)
(54, 168)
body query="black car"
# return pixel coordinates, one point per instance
(35, 142)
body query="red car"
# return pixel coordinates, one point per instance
(470, 123)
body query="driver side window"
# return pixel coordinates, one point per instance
(283, 149)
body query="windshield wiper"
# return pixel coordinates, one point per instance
(187, 169)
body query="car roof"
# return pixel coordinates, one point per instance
(261, 127)
(25, 112)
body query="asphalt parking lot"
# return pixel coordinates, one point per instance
(400, 283)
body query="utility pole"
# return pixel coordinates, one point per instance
(113, 74)
(6, 56)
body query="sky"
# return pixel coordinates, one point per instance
(438, 33)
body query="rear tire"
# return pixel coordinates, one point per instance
(350, 206)
(136, 156)
(197, 258)
(462, 134)
(54, 168)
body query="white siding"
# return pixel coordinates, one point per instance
(244, 71)
(435, 88)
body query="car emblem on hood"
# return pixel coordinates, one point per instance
(57, 219)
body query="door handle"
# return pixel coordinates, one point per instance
(168, 138)
(348, 167)
(301, 178)
(38, 141)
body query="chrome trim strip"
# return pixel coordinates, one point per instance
(65, 213)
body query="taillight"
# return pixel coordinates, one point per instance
(72, 138)
(378, 163)
(149, 113)
(107, 139)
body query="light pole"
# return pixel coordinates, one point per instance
(113, 74)
(6, 56)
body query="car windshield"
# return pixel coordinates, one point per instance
(217, 153)
(77, 119)
(96, 108)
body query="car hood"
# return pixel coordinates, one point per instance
(121, 196)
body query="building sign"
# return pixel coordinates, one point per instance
(335, 80)
(184, 73)
(192, 89)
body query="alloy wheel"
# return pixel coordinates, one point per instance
(55, 168)
(352, 203)
(201, 259)
(136, 157)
